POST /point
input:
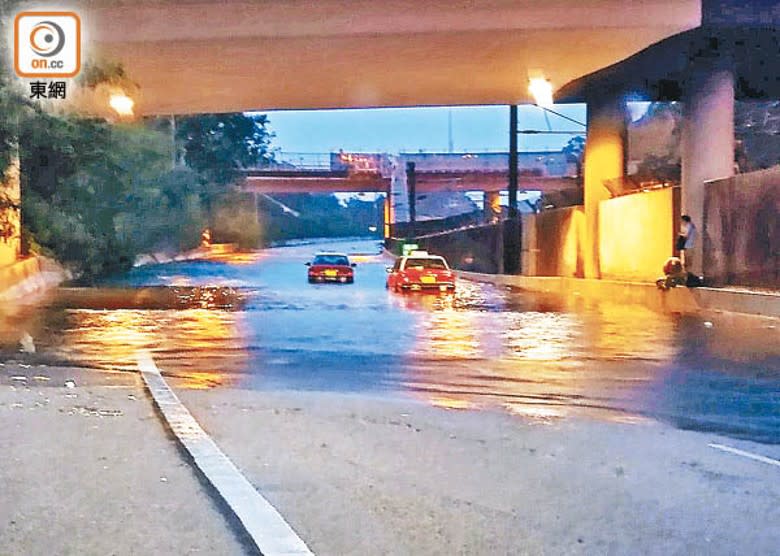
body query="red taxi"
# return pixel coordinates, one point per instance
(419, 271)
(331, 267)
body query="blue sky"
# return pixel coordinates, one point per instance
(474, 128)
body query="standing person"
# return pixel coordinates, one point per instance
(687, 238)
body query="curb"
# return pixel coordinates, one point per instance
(268, 531)
(681, 300)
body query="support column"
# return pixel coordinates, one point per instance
(411, 186)
(512, 186)
(605, 159)
(707, 141)
(512, 225)
(388, 211)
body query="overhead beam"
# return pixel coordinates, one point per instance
(426, 182)
(236, 55)
(314, 185)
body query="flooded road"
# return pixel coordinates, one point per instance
(253, 321)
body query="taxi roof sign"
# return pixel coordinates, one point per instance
(407, 248)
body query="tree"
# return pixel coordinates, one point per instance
(575, 151)
(96, 195)
(219, 146)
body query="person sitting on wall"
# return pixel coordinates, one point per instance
(674, 274)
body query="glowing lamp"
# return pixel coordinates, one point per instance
(121, 104)
(542, 91)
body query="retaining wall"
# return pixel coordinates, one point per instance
(741, 239)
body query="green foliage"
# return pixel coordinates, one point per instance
(95, 74)
(318, 216)
(234, 220)
(575, 149)
(664, 166)
(97, 195)
(220, 145)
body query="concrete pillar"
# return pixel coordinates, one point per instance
(707, 141)
(387, 211)
(411, 188)
(492, 205)
(605, 159)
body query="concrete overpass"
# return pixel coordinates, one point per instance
(272, 181)
(548, 172)
(376, 173)
(190, 56)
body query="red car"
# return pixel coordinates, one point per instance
(331, 267)
(420, 271)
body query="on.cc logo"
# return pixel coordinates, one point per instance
(47, 39)
(47, 44)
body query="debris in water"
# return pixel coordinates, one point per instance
(19, 378)
(707, 324)
(70, 384)
(41, 378)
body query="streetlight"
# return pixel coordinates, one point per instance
(542, 91)
(121, 104)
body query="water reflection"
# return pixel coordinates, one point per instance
(203, 347)
(539, 356)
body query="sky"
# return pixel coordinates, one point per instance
(393, 130)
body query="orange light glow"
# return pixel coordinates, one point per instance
(121, 104)
(542, 91)
(209, 338)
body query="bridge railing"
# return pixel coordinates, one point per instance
(529, 163)
(301, 161)
(339, 162)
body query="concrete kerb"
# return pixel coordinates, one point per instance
(258, 523)
(680, 300)
(30, 278)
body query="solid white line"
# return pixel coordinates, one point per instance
(745, 454)
(268, 530)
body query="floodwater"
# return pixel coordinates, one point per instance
(253, 321)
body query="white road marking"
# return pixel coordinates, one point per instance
(745, 454)
(267, 529)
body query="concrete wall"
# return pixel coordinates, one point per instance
(25, 281)
(434, 226)
(10, 228)
(553, 242)
(637, 234)
(741, 239)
